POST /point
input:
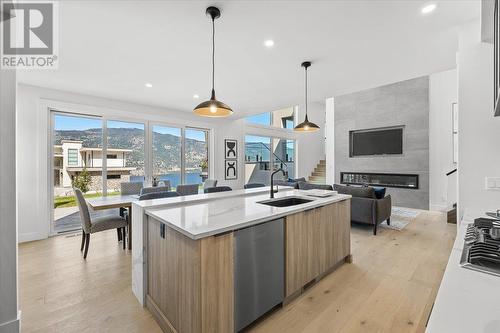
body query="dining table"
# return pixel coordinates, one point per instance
(116, 201)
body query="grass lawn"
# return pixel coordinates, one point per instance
(69, 201)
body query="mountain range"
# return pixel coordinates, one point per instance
(166, 147)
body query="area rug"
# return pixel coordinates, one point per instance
(400, 218)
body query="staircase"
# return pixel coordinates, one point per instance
(318, 176)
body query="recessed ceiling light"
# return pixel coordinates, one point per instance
(429, 8)
(195, 96)
(148, 85)
(269, 43)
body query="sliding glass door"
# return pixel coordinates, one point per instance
(124, 154)
(167, 155)
(77, 162)
(196, 155)
(97, 155)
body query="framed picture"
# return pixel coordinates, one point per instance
(496, 42)
(231, 169)
(230, 149)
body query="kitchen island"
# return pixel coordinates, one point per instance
(216, 263)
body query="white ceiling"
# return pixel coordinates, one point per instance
(112, 48)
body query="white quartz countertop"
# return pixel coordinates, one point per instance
(211, 217)
(467, 301)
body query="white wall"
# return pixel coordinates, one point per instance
(311, 146)
(479, 131)
(442, 94)
(330, 140)
(9, 320)
(33, 141)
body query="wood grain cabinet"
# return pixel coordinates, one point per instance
(190, 282)
(316, 240)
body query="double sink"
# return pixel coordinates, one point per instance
(286, 202)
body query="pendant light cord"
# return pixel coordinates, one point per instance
(213, 54)
(306, 92)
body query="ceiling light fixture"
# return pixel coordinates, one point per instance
(429, 8)
(148, 85)
(213, 107)
(306, 125)
(196, 96)
(269, 43)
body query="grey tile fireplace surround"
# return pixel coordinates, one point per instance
(403, 103)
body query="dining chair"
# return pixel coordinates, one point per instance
(158, 195)
(254, 185)
(146, 190)
(187, 189)
(130, 188)
(217, 189)
(209, 183)
(91, 226)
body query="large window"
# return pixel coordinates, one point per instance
(265, 154)
(125, 153)
(128, 152)
(283, 118)
(72, 157)
(167, 154)
(195, 155)
(76, 142)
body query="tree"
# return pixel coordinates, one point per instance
(82, 181)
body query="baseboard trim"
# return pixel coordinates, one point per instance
(12, 326)
(31, 236)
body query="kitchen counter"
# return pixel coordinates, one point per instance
(230, 259)
(211, 217)
(222, 211)
(467, 301)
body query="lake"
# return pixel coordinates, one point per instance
(174, 178)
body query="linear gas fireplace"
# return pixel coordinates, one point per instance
(380, 179)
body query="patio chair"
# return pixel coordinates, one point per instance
(158, 195)
(188, 189)
(217, 189)
(91, 226)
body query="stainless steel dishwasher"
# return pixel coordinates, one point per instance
(259, 271)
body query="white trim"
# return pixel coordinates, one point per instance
(32, 236)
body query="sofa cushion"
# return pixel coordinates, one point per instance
(379, 192)
(310, 186)
(292, 180)
(355, 191)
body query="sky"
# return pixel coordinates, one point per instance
(82, 123)
(263, 118)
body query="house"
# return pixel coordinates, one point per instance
(259, 166)
(71, 158)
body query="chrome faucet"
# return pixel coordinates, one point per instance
(272, 180)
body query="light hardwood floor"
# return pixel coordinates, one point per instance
(389, 287)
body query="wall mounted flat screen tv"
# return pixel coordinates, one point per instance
(377, 141)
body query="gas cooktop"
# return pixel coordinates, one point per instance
(481, 252)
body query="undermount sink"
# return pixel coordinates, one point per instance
(285, 202)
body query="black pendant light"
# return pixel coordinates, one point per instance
(213, 107)
(306, 125)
